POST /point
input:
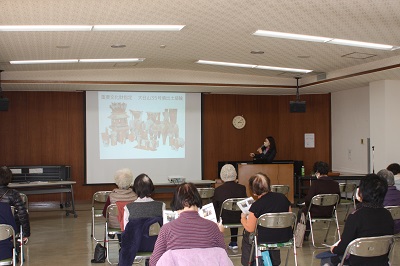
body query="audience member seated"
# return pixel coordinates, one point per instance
(6, 217)
(395, 169)
(370, 219)
(13, 198)
(138, 216)
(267, 202)
(123, 179)
(229, 189)
(392, 197)
(189, 230)
(201, 257)
(323, 185)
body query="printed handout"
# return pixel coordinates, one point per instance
(207, 212)
(245, 204)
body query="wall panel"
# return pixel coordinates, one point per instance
(47, 128)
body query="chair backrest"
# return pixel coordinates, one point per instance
(369, 246)
(7, 231)
(284, 189)
(206, 193)
(112, 210)
(100, 197)
(347, 187)
(277, 220)
(24, 198)
(394, 211)
(230, 205)
(154, 229)
(325, 200)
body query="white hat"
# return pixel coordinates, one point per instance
(228, 173)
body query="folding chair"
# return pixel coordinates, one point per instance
(284, 189)
(206, 193)
(112, 210)
(275, 220)
(7, 231)
(348, 188)
(394, 211)
(98, 200)
(231, 205)
(328, 201)
(19, 238)
(369, 247)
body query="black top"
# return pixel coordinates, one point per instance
(265, 157)
(228, 190)
(366, 222)
(271, 202)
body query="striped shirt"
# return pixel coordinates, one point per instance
(188, 231)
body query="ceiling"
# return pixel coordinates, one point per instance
(216, 30)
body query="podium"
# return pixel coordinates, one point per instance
(279, 174)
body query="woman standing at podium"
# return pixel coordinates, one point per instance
(267, 152)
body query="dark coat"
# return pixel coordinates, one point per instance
(136, 238)
(13, 198)
(6, 217)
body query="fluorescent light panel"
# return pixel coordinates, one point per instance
(217, 63)
(111, 60)
(300, 37)
(91, 27)
(46, 28)
(32, 62)
(138, 27)
(291, 36)
(285, 69)
(66, 61)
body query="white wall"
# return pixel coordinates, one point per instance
(385, 122)
(350, 124)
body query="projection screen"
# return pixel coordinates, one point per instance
(149, 132)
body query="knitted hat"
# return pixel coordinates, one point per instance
(228, 173)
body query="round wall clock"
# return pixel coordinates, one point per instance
(239, 122)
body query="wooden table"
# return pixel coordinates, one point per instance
(47, 187)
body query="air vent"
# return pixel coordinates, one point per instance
(357, 55)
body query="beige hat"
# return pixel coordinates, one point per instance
(228, 173)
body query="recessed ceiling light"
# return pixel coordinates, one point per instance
(163, 46)
(118, 46)
(63, 46)
(257, 52)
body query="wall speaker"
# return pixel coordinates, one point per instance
(297, 106)
(4, 104)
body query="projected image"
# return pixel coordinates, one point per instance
(145, 125)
